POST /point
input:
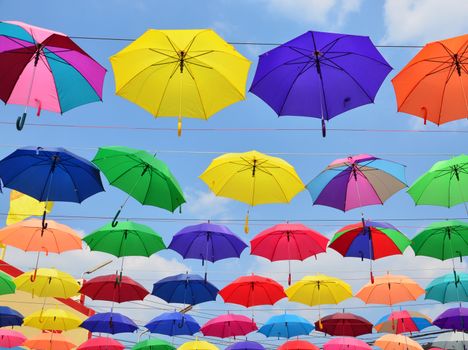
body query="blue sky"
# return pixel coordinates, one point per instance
(391, 22)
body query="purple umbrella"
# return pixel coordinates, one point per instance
(320, 75)
(455, 319)
(245, 345)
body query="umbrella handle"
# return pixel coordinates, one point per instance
(181, 323)
(372, 277)
(33, 277)
(246, 223)
(289, 279)
(44, 223)
(324, 128)
(114, 220)
(20, 121)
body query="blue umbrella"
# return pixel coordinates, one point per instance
(245, 345)
(286, 326)
(173, 323)
(10, 317)
(109, 322)
(185, 289)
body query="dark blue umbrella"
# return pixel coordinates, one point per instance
(109, 322)
(245, 345)
(286, 326)
(173, 323)
(10, 317)
(185, 289)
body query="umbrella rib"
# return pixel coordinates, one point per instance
(198, 92)
(344, 53)
(165, 89)
(60, 165)
(450, 73)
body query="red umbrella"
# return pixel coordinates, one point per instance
(288, 242)
(252, 290)
(113, 288)
(298, 345)
(225, 326)
(344, 324)
(101, 343)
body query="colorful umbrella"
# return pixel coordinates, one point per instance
(288, 242)
(52, 320)
(344, 324)
(451, 340)
(286, 326)
(180, 73)
(23, 206)
(402, 322)
(252, 178)
(252, 291)
(153, 344)
(185, 288)
(245, 345)
(197, 345)
(357, 181)
(346, 343)
(397, 342)
(101, 343)
(46, 69)
(454, 318)
(173, 323)
(369, 240)
(141, 175)
(10, 317)
(320, 75)
(448, 288)
(10, 338)
(431, 85)
(47, 283)
(230, 325)
(297, 345)
(109, 322)
(7, 286)
(49, 341)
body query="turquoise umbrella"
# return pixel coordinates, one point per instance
(448, 288)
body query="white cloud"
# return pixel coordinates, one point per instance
(420, 21)
(206, 204)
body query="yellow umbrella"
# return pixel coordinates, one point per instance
(197, 345)
(397, 342)
(23, 206)
(47, 283)
(190, 73)
(252, 178)
(53, 320)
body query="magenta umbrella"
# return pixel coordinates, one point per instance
(101, 343)
(229, 325)
(346, 343)
(10, 338)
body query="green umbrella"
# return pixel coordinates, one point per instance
(445, 184)
(141, 175)
(7, 286)
(447, 289)
(153, 344)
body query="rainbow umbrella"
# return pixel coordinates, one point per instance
(403, 321)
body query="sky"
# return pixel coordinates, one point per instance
(386, 22)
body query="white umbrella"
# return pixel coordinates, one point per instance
(452, 341)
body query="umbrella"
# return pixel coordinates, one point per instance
(451, 340)
(245, 345)
(454, 318)
(288, 242)
(286, 326)
(369, 240)
(10, 317)
(344, 324)
(197, 345)
(47, 283)
(230, 325)
(52, 320)
(252, 291)
(101, 343)
(320, 75)
(402, 321)
(185, 288)
(49, 341)
(445, 184)
(397, 342)
(252, 178)
(153, 344)
(431, 85)
(113, 288)
(23, 206)
(189, 73)
(346, 343)
(141, 175)
(46, 69)
(109, 322)
(173, 323)
(448, 289)
(7, 286)
(357, 181)
(10, 338)
(297, 345)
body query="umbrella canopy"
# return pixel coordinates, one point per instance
(320, 75)
(454, 318)
(397, 342)
(23, 206)
(173, 323)
(344, 324)
(46, 69)
(189, 73)
(346, 343)
(252, 291)
(52, 320)
(7, 286)
(109, 322)
(185, 288)
(10, 317)
(430, 86)
(390, 290)
(10, 338)
(451, 340)
(286, 326)
(402, 321)
(297, 345)
(153, 344)
(48, 283)
(128, 238)
(356, 182)
(197, 345)
(101, 343)
(448, 288)
(245, 345)
(230, 325)
(113, 288)
(49, 341)
(445, 184)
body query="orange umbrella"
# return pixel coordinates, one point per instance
(389, 290)
(397, 342)
(434, 84)
(49, 341)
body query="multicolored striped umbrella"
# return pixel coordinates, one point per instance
(403, 321)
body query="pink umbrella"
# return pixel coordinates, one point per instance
(10, 338)
(229, 325)
(101, 343)
(346, 343)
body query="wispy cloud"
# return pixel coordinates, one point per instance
(205, 204)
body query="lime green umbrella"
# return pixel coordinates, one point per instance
(153, 344)
(7, 286)
(141, 175)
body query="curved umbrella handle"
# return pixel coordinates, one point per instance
(33, 277)
(289, 279)
(20, 121)
(372, 277)
(114, 221)
(44, 223)
(324, 128)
